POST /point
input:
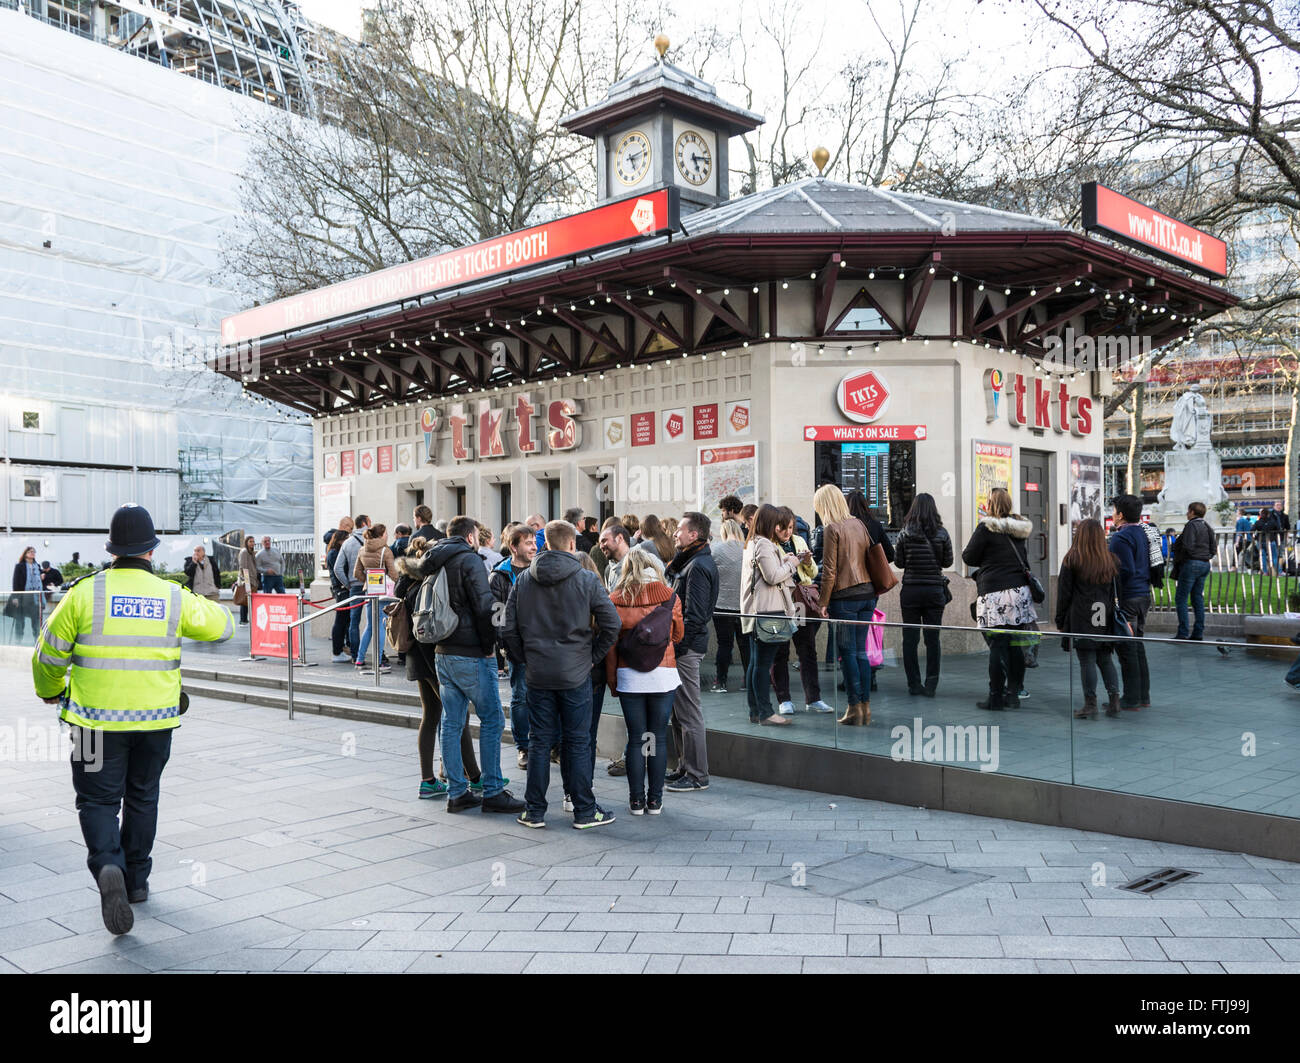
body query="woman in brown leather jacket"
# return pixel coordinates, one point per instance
(847, 595)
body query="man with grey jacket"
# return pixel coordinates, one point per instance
(343, 566)
(559, 622)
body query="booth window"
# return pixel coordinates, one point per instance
(504, 511)
(884, 472)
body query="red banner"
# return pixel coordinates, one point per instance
(862, 433)
(270, 616)
(348, 463)
(1145, 228)
(643, 429)
(385, 460)
(706, 421)
(626, 219)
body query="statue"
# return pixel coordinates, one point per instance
(1191, 426)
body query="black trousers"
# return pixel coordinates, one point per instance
(112, 771)
(1134, 669)
(339, 632)
(922, 604)
(1006, 665)
(727, 629)
(805, 645)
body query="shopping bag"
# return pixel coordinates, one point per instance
(876, 640)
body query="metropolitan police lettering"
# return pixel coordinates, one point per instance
(129, 608)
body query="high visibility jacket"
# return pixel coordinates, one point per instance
(112, 649)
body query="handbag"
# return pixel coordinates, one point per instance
(809, 600)
(769, 627)
(1036, 591)
(947, 583)
(241, 594)
(878, 568)
(1120, 623)
(876, 639)
(398, 632)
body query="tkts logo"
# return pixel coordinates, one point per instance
(480, 433)
(1049, 405)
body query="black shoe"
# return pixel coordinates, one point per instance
(685, 785)
(528, 821)
(929, 689)
(469, 799)
(113, 903)
(505, 801)
(993, 702)
(873, 683)
(1010, 701)
(655, 805)
(599, 818)
(679, 774)
(138, 896)
(617, 767)
(636, 805)
(914, 691)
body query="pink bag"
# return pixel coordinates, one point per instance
(876, 640)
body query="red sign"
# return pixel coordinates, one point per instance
(613, 223)
(862, 433)
(739, 417)
(348, 463)
(643, 429)
(386, 458)
(706, 421)
(721, 455)
(675, 424)
(1145, 228)
(270, 616)
(1030, 486)
(863, 396)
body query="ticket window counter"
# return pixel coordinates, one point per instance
(884, 472)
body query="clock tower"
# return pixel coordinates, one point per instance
(662, 127)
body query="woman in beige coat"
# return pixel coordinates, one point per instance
(247, 574)
(374, 553)
(767, 576)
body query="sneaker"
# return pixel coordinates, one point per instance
(341, 658)
(718, 688)
(685, 785)
(636, 805)
(113, 903)
(786, 708)
(431, 788)
(617, 767)
(505, 801)
(477, 784)
(675, 776)
(1293, 686)
(568, 803)
(528, 821)
(138, 896)
(599, 818)
(817, 706)
(469, 799)
(521, 758)
(654, 805)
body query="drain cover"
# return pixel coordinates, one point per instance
(1159, 880)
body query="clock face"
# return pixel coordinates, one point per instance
(694, 161)
(632, 158)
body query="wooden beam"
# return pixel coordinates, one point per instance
(695, 288)
(918, 303)
(1061, 318)
(651, 322)
(824, 293)
(1047, 291)
(577, 323)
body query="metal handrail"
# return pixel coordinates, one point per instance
(376, 642)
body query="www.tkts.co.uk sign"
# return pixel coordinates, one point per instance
(479, 432)
(1048, 404)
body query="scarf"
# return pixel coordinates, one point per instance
(683, 558)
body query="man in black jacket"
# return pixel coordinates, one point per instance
(694, 576)
(1192, 551)
(549, 630)
(423, 523)
(467, 670)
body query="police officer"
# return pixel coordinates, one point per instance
(110, 656)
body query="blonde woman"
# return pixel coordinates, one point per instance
(766, 582)
(847, 595)
(728, 555)
(805, 638)
(645, 687)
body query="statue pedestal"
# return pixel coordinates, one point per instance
(1190, 476)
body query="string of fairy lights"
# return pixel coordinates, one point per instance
(1125, 301)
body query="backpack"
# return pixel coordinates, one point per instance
(434, 619)
(642, 646)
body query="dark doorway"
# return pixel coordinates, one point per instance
(1035, 505)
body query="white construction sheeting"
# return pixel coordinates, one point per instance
(118, 184)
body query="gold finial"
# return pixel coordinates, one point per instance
(820, 158)
(661, 45)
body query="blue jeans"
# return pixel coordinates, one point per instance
(354, 617)
(272, 584)
(647, 736)
(1191, 580)
(518, 706)
(365, 638)
(851, 641)
(568, 714)
(126, 774)
(758, 678)
(462, 680)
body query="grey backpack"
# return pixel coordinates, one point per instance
(434, 619)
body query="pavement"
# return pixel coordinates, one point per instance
(301, 846)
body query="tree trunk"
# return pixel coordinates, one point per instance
(1291, 465)
(1136, 430)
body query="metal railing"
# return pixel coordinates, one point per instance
(1251, 572)
(354, 602)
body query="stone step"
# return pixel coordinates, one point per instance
(397, 690)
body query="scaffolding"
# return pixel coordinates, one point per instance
(202, 486)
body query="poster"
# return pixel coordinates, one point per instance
(332, 466)
(1085, 489)
(643, 429)
(384, 457)
(378, 583)
(405, 457)
(727, 470)
(674, 425)
(271, 615)
(738, 418)
(348, 463)
(366, 461)
(992, 469)
(333, 503)
(706, 421)
(615, 432)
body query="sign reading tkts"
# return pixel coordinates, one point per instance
(612, 223)
(1048, 405)
(562, 431)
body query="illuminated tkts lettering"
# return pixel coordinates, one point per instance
(1042, 404)
(565, 433)
(1061, 409)
(490, 443)
(1016, 408)
(462, 448)
(1081, 421)
(525, 415)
